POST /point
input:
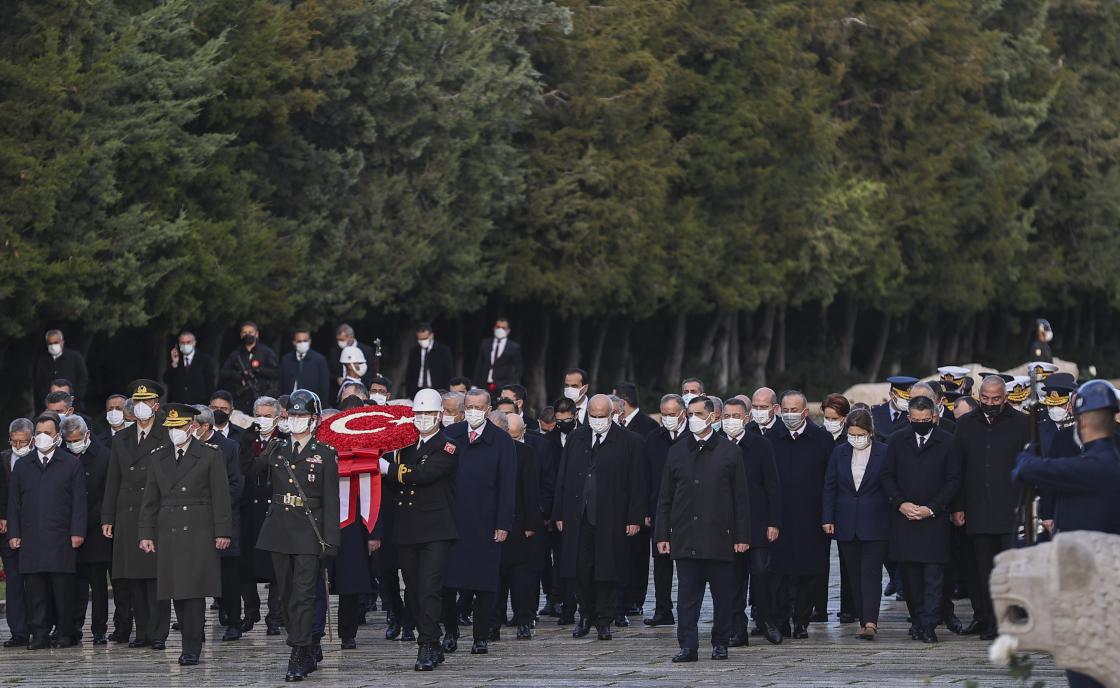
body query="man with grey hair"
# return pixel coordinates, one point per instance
(764, 412)
(518, 575)
(20, 431)
(990, 439)
(96, 553)
(56, 361)
(717, 404)
(229, 614)
(454, 404)
(655, 452)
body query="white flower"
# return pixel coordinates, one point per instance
(1003, 650)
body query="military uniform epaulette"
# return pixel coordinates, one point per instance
(211, 445)
(160, 447)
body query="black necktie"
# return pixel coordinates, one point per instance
(921, 442)
(595, 443)
(299, 368)
(295, 448)
(179, 457)
(143, 435)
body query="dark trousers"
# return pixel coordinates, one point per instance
(191, 615)
(791, 596)
(923, 591)
(50, 601)
(390, 567)
(92, 582)
(960, 567)
(252, 598)
(319, 620)
(14, 594)
(518, 584)
(984, 551)
(551, 581)
(863, 562)
(662, 584)
(692, 575)
(153, 616)
(231, 590)
(750, 568)
(481, 614)
(424, 566)
(350, 613)
(632, 592)
(296, 577)
(122, 607)
(597, 599)
(820, 590)
(847, 602)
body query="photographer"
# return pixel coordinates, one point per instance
(251, 371)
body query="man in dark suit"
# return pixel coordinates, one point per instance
(632, 417)
(344, 337)
(655, 452)
(96, 553)
(600, 502)
(20, 432)
(56, 361)
(304, 368)
(559, 599)
(115, 418)
(632, 594)
(192, 374)
(425, 530)
(891, 415)
(703, 522)
(499, 359)
(47, 523)
(765, 412)
(129, 461)
(252, 369)
(751, 568)
(429, 362)
(921, 476)
(518, 394)
(221, 403)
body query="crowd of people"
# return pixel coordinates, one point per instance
(500, 515)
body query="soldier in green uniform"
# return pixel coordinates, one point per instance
(185, 520)
(301, 527)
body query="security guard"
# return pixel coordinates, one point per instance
(424, 529)
(1085, 486)
(185, 519)
(891, 416)
(301, 526)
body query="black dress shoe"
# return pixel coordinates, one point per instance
(349, 644)
(450, 644)
(604, 632)
(39, 644)
(100, 639)
(739, 640)
(819, 617)
(17, 641)
(116, 637)
(685, 656)
(159, 645)
(989, 635)
(621, 621)
(393, 630)
(774, 635)
(65, 642)
(954, 625)
(295, 666)
(582, 629)
(565, 619)
(785, 631)
(424, 661)
(916, 632)
(758, 631)
(524, 632)
(972, 628)
(408, 635)
(930, 636)
(890, 589)
(846, 618)
(479, 647)
(495, 635)
(223, 618)
(138, 643)
(232, 633)
(188, 660)
(437, 653)
(800, 632)
(214, 605)
(719, 652)
(660, 620)
(176, 627)
(274, 629)
(635, 611)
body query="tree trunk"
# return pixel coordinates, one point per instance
(708, 340)
(848, 334)
(880, 351)
(625, 362)
(761, 342)
(671, 375)
(734, 358)
(779, 351)
(1075, 327)
(723, 352)
(457, 347)
(597, 352)
(980, 348)
(536, 378)
(575, 325)
(964, 341)
(1091, 337)
(929, 345)
(395, 364)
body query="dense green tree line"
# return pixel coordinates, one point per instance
(819, 192)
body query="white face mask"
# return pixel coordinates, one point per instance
(697, 425)
(360, 369)
(115, 417)
(178, 436)
(901, 405)
(760, 417)
(78, 447)
(44, 442)
(476, 417)
(303, 347)
(500, 333)
(142, 411)
(734, 426)
(342, 343)
(671, 423)
(299, 424)
(425, 423)
(859, 441)
(599, 425)
(447, 420)
(717, 426)
(573, 393)
(1057, 414)
(793, 421)
(197, 433)
(186, 349)
(834, 425)
(54, 349)
(22, 451)
(688, 397)
(284, 426)
(424, 343)
(378, 398)
(266, 424)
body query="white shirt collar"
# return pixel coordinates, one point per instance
(627, 419)
(601, 437)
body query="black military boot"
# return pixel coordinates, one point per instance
(295, 666)
(424, 658)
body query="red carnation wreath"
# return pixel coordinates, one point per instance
(361, 436)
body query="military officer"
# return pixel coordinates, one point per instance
(1040, 346)
(301, 526)
(424, 528)
(1018, 390)
(129, 461)
(891, 415)
(186, 515)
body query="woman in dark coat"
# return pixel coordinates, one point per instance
(856, 512)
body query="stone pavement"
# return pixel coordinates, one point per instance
(638, 656)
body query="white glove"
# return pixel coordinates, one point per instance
(384, 467)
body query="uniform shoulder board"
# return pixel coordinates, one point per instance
(450, 448)
(211, 445)
(160, 447)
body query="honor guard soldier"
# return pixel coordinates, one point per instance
(424, 528)
(1043, 335)
(301, 528)
(185, 521)
(891, 415)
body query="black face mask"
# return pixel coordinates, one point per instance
(991, 409)
(248, 340)
(566, 426)
(221, 417)
(921, 427)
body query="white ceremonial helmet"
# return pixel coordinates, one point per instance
(427, 400)
(351, 354)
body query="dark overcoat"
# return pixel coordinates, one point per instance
(763, 485)
(97, 549)
(803, 549)
(231, 455)
(517, 549)
(46, 507)
(929, 477)
(124, 492)
(988, 496)
(655, 452)
(256, 496)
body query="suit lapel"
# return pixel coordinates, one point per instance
(848, 477)
(873, 462)
(150, 442)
